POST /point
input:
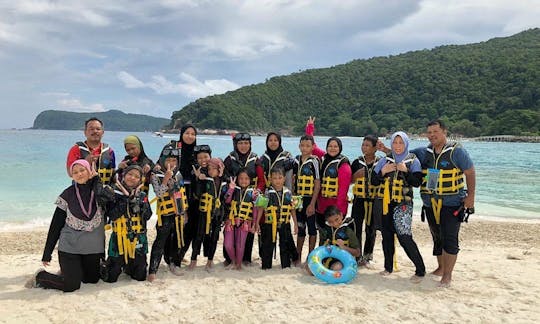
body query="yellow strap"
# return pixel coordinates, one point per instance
(178, 229)
(153, 200)
(274, 225)
(208, 216)
(395, 253)
(436, 204)
(386, 196)
(368, 207)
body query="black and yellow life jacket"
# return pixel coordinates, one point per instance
(451, 178)
(210, 200)
(306, 174)
(249, 166)
(241, 204)
(105, 167)
(279, 209)
(396, 187)
(173, 202)
(362, 187)
(329, 178)
(267, 165)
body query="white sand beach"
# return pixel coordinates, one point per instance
(496, 279)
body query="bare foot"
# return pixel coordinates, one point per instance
(175, 270)
(192, 265)
(209, 265)
(416, 279)
(151, 277)
(297, 263)
(230, 266)
(437, 272)
(445, 282)
(384, 273)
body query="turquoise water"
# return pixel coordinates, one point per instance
(34, 172)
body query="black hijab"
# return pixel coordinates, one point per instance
(88, 201)
(273, 154)
(327, 158)
(187, 157)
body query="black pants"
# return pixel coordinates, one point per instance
(359, 215)
(306, 225)
(190, 229)
(163, 233)
(446, 234)
(76, 268)
(208, 241)
(135, 268)
(406, 241)
(287, 249)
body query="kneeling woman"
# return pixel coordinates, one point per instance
(399, 172)
(78, 227)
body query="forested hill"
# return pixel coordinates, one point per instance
(487, 88)
(114, 120)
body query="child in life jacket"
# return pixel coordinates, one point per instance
(241, 219)
(136, 156)
(277, 222)
(338, 233)
(211, 191)
(171, 208)
(127, 215)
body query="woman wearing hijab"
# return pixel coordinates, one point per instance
(136, 156)
(335, 179)
(242, 158)
(78, 228)
(399, 172)
(187, 143)
(274, 156)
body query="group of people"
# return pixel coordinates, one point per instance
(273, 197)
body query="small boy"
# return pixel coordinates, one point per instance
(307, 184)
(338, 233)
(277, 220)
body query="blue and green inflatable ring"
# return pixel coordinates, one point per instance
(316, 257)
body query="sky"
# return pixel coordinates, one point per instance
(155, 57)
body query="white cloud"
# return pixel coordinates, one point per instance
(77, 105)
(191, 87)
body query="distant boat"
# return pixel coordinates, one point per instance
(159, 134)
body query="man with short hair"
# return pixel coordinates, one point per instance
(98, 154)
(447, 168)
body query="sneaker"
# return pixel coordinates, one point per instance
(32, 282)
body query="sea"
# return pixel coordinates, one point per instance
(33, 171)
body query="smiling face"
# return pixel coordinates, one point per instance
(171, 162)
(277, 179)
(335, 220)
(243, 146)
(398, 145)
(436, 135)
(332, 148)
(213, 172)
(189, 136)
(80, 174)
(243, 180)
(94, 131)
(202, 159)
(132, 179)
(273, 142)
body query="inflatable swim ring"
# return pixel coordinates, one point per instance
(344, 275)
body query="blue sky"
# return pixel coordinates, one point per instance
(154, 57)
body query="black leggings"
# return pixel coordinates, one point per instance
(208, 241)
(358, 214)
(287, 249)
(163, 232)
(135, 268)
(406, 241)
(76, 268)
(446, 234)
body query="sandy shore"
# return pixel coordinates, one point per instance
(496, 280)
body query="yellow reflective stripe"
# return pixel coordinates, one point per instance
(436, 205)
(386, 196)
(305, 185)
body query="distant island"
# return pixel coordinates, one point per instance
(483, 89)
(114, 120)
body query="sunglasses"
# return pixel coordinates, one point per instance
(242, 137)
(202, 148)
(171, 152)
